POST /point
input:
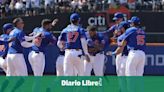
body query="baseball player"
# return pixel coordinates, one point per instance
(37, 55)
(122, 57)
(73, 36)
(118, 17)
(134, 38)
(96, 44)
(7, 28)
(16, 65)
(110, 33)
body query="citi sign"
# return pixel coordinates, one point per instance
(97, 20)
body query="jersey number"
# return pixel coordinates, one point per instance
(140, 40)
(72, 36)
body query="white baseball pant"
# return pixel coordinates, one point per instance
(96, 63)
(16, 65)
(135, 63)
(59, 65)
(37, 62)
(3, 64)
(120, 69)
(73, 64)
(120, 64)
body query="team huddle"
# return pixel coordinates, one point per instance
(81, 50)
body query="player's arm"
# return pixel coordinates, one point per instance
(2, 42)
(61, 40)
(84, 41)
(23, 42)
(54, 22)
(30, 38)
(61, 44)
(119, 49)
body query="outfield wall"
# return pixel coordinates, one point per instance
(154, 61)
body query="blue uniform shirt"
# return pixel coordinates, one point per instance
(119, 40)
(19, 36)
(108, 34)
(135, 38)
(72, 35)
(91, 41)
(47, 38)
(4, 51)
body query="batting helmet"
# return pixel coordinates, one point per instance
(118, 15)
(135, 20)
(74, 17)
(7, 26)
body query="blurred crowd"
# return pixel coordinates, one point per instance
(10, 8)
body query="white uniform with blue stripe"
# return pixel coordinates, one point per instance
(37, 55)
(72, 35)
(15, 58)
(121, 58)
(135, 38)
(96, 59)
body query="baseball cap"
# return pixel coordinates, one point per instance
(124, 24)
(134, 19)
(74, 16)
(7, 26)
(118, 15)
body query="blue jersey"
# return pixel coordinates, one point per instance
(16, 46)
(47, 39)
(92, 41)
(71, 35)
(135, 38)
(119, 41)
(4, 47)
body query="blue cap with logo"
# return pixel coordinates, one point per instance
(134, 19)
(118, 15)
(124, 24)
(7, 26)
(74, 16)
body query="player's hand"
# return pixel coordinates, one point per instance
(109, 53)
(54, 22)
(87, 58)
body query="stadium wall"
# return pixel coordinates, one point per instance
(153, 21)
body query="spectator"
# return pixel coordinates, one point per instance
(19, 5)
(123, 2)
(28, 8)
(2, 11)
(131, 4)
(48, 6)
(76, 5)
(35, 4)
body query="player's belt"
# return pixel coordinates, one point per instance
(135, 49)
(74, 49)
(101, 52)
(124, 55)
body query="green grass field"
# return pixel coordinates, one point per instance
(108, 84)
